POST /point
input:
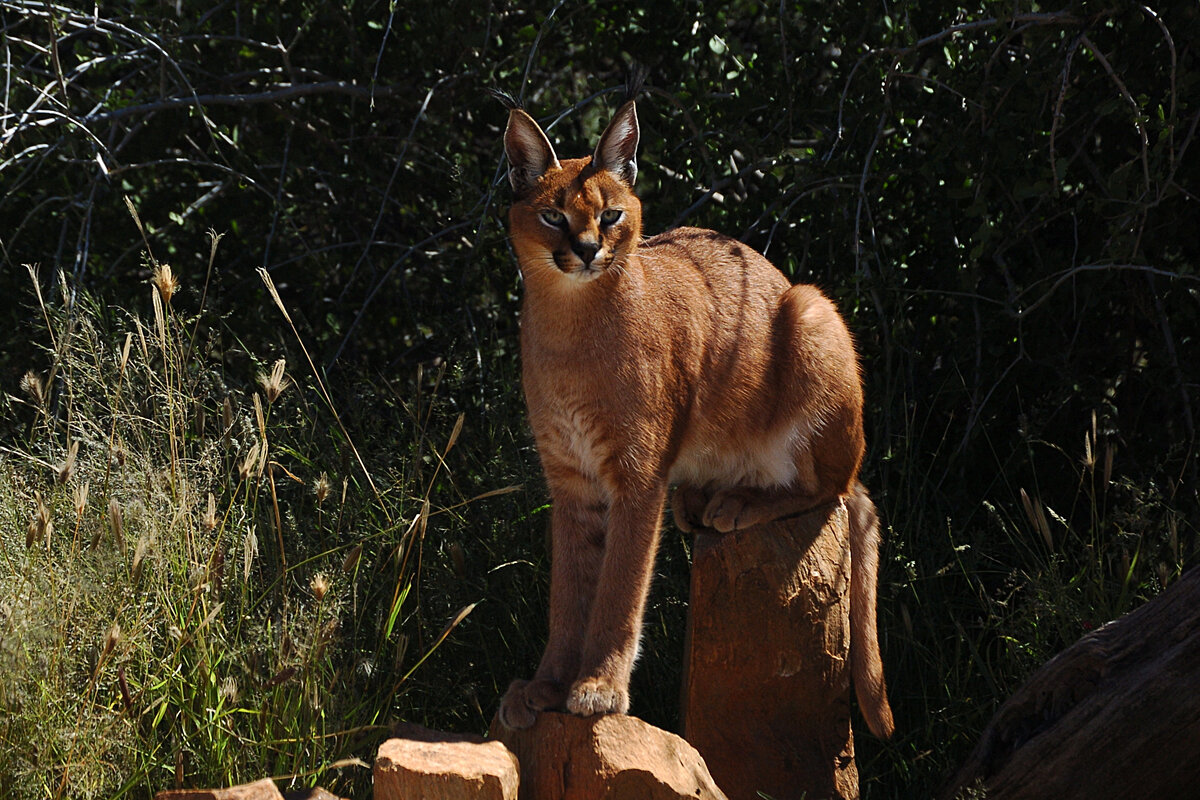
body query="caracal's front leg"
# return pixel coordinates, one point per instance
(615, 623)
(577, 532)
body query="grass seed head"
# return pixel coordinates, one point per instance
(79, 496)
(67, 468)
(116, 523)
(165, 281)
(246, 468)
(249, 552)
(139, 557)
(320, 586)
(117, 454)
(41, 526)
(208, 519)
(352, 558)
(275, 383)
(111, 639)
(322, 488)
(33, 385)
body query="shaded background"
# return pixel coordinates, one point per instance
(1002, 200)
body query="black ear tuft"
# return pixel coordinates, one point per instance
(617, 149)
(529, 152)
(506, 99)
(635, 79)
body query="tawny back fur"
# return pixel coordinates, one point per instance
(685, 359)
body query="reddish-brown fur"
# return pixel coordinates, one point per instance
(683, 359)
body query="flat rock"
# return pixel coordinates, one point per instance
(264, 789)
(564, 757)
(431, 765)
(311, 794)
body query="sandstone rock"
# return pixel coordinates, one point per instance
(311, 794)
(264, 789)
(618, 757)
(766, 698)
(420, 763)
(259, 790)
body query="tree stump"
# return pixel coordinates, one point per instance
(766, 696)
(1117, 714)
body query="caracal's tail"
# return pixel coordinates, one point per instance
(866, 666)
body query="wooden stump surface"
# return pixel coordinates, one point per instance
(766, 696)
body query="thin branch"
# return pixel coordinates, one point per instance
(399, 164)
(1058, 113)
(1137, 112)
(1068, 274)
(379, 283)
(1046, 18)
(270, 96)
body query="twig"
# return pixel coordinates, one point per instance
(866, 170)
(270, 96)
(1137, 112)
(1067, 274)
(379, 283)
(387, 191)
(270, 284)
(1058, 115)
(1043, 18)
(1046, 18)
(533, 48)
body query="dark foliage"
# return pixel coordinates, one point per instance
(1002, 199)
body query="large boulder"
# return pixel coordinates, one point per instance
(614, 756)
(1113, 715)
(431, 765)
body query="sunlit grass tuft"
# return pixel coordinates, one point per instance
(190, 593)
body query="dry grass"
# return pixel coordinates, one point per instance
(183, 602)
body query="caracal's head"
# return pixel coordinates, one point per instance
(577, 218)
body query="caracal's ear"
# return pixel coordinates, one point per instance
(617, 149)
(529, 152)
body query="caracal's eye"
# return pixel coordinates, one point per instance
(554, 219)
(610, 216)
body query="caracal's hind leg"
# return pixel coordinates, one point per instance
(687, 506)
(744, 507)
(739, 507)
(822, 414)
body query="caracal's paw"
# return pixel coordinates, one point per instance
(687, 506)
(735, 509)
(597, 695)
(524, 699)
